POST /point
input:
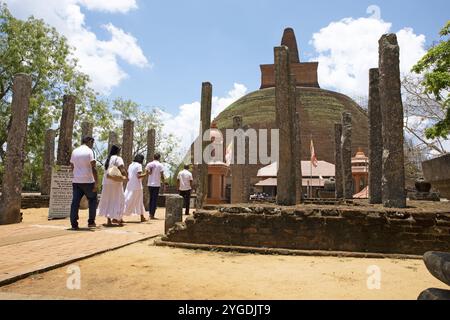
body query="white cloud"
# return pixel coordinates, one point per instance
(122, 6)
(97, 58)
(186, 124)
(348, 48)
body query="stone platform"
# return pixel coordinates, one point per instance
(360, 227)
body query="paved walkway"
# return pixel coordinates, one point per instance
(38, 245)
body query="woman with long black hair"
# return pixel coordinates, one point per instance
(112, 200)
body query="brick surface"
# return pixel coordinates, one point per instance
(43, 245)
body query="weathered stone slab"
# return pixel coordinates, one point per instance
(375, 139)
(174, 211)
(10, 200)
(112, 140)
(434, 294)
(127, 144)
(205, 118)
(346, 154)
(49, 161)
(438, 263)
(286, 179)
(338, 161)
(66, 131)
(392, 110)
(87, 129)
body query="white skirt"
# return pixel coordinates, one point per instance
(134, 202)
(112, 201)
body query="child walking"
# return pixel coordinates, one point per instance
(134, 193)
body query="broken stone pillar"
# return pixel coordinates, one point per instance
(11, 198)
(205, 118)
(393, 180)
(151, 142)
(112, 140)
(237, 170)
(296, 138)
(127, 142)
(66, 131)
(346, 155)
(87, 130)
(375, 140)
(174, 211)
(286, 190)
(338, 161)
(49, 161)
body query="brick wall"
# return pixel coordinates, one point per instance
(320, 229)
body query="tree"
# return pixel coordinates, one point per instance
(435, 66)
(35, 48)
(144, 119)
(422, 110)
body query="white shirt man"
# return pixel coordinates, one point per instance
(155, 172)
(84, 181)
(82, 158)
(185, 178)
(185, 186)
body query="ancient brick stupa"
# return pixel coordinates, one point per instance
(319, 109)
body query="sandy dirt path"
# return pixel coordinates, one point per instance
(144, 271)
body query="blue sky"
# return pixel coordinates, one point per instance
(158, 53)
(188, 42)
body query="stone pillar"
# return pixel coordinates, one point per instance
(151, 142)
(296, 138)
(66, 131)
(127, 142)
(87, 130)
(346, 155)
(112, 140)
(286, 175)
(174, 211)
(11, 198)
(338, 161)
(375, 139)
(237, 171)
(205, 118)
(392, 113)
(49, 161)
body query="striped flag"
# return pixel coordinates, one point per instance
(314, 161)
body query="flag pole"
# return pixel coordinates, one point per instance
(310, 185)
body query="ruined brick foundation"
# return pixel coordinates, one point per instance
(351, 229)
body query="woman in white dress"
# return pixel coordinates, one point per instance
(112, 200)
(134, 194)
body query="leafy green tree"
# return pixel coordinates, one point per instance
(435, 66)
(144, 119)
(33, 47)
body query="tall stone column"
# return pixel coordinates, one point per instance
(205, 118)
(296, 138)
(392, 113)
(11, 198)
(375, 139)
(127, 142)
(66, 131)
(338, 160)
(49, 161)
(346, 147)
(112, 140)
(151, 142)
(286, 193)
(237, 170)
(87, 130)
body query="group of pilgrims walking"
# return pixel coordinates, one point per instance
(115, 203)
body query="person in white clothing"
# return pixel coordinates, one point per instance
(112, 202)
(155, 171)
(134, 194)
(85, 179)
(184, 183)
